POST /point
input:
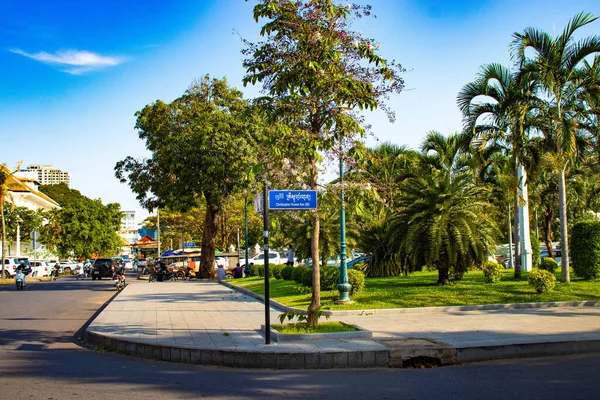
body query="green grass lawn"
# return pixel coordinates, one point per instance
(323, 327)
(420, 290)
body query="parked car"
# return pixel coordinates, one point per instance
(11, 264)
(39, 268)
(259, 259)
(128, 265)
(103, 268)
(68, 266)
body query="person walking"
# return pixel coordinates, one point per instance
(290, 255)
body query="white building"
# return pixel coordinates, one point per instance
(23, 192)
(129, 231)
(48, 175)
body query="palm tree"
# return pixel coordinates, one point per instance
(446, 222)
(500, 107)
(558, 67)
(5, 186)
(446, 152)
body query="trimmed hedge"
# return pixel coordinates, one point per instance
(492, 271)
(298, 272)
(287, 273)
(275, 270)
(542, 281)
(257, 270)
(357, 280)
(307, 275)
(329, 277)
(585, 249)
(549, 264)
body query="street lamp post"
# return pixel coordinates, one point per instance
(343, 285)
(246, 266)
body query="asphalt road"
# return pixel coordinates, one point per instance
(40, 358)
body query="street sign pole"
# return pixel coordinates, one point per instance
(266, 249)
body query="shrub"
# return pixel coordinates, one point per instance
(287, 273)
(275, 270)
(357, 280)
(307, 277)
(549, 264)
(542, 281)
(257, 270)
(492, 272)
(298, 272)
(585, 249)
(329, 277)
(535, 253)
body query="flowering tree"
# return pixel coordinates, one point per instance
(317, 74)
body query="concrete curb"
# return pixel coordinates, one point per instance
(525, 350)
(401, 354)
(271, 359)
(446, 309)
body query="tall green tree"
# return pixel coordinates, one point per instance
(315, 71)
(500, 107)
(203, 146)
(558, 63)
(82, 227)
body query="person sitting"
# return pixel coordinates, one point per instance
(238, 272)
(221, 274)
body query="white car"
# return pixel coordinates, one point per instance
(11, 264)
(68, 266)
(128, 265)
(259, 259)
(39, 268)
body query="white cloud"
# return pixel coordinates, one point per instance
(73, 62)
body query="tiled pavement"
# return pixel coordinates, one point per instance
(217, 320)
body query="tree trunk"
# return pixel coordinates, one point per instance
(443, 276)
(564, 235)
(315, 303)
(548, 233)
(516, 238)
(211, 221)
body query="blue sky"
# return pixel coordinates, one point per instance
(75, 72)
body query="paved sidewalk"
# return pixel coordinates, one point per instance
(208, 323)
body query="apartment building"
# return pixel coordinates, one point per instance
(49, 175)
(129, 230)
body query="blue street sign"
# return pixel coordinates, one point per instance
(189, 244)
(292, 199)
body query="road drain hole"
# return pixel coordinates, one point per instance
(422, 362)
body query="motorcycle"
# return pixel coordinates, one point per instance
(54, 274)
(119, 279)
(162, 276)
(20, 280)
